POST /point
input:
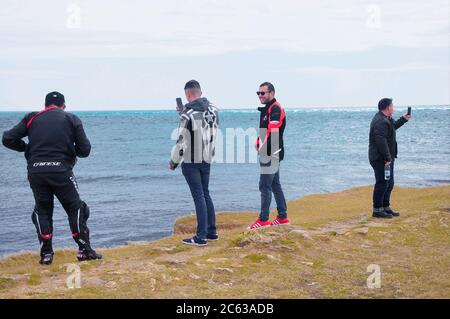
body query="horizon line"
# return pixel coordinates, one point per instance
(231, 108)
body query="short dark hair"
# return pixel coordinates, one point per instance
(192, 84)
(269, 86)
(384, 103)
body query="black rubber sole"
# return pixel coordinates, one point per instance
(382, 216)
(86, 258)
(194, 244)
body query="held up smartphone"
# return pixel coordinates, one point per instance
(409, 110)
(179, 104)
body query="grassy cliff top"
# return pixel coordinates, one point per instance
(324, 253)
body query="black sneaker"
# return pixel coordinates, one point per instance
(212, 237)
(382, 214)
(46, 259)
(88, 255)
(195, 241)
(390, 211)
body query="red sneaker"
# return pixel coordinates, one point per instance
(280, 221)
(258, 224)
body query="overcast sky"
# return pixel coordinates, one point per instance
(113, 54)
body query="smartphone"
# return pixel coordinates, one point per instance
(179, 104)
(409, 110)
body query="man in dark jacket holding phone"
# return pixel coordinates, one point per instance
(55, 139)
(382, 154)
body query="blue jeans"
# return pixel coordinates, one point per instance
(383, 188)
(268, 184)
(197, 177)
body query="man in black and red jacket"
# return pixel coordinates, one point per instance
(55, 139)
(270, 147)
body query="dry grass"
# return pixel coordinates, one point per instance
(327, 257)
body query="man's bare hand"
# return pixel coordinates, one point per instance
(172, 166)
(387, 163)
(407, 117)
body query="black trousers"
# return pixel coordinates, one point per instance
(63, 185)
(383, 188)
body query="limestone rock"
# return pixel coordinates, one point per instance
(301, 233)
(217, 260)
(223, 270)
(111, 284)
(194, 276)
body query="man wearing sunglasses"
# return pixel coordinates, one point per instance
(270, 148)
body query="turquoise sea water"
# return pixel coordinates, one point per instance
(134, 196)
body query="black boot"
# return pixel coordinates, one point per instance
(46, 258)
(390, 211)
(88, 254)
(46, 249)
(380, 213)
(85, 251)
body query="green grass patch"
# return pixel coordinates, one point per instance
(256, 257)
(7, 283)
(34, 279)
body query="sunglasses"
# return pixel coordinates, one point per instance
(261, 93)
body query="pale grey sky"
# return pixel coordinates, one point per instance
(112, 54)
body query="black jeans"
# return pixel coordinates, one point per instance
(383, 188)
(63, 185)
(197, 177)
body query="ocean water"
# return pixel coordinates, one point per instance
(134, 196)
